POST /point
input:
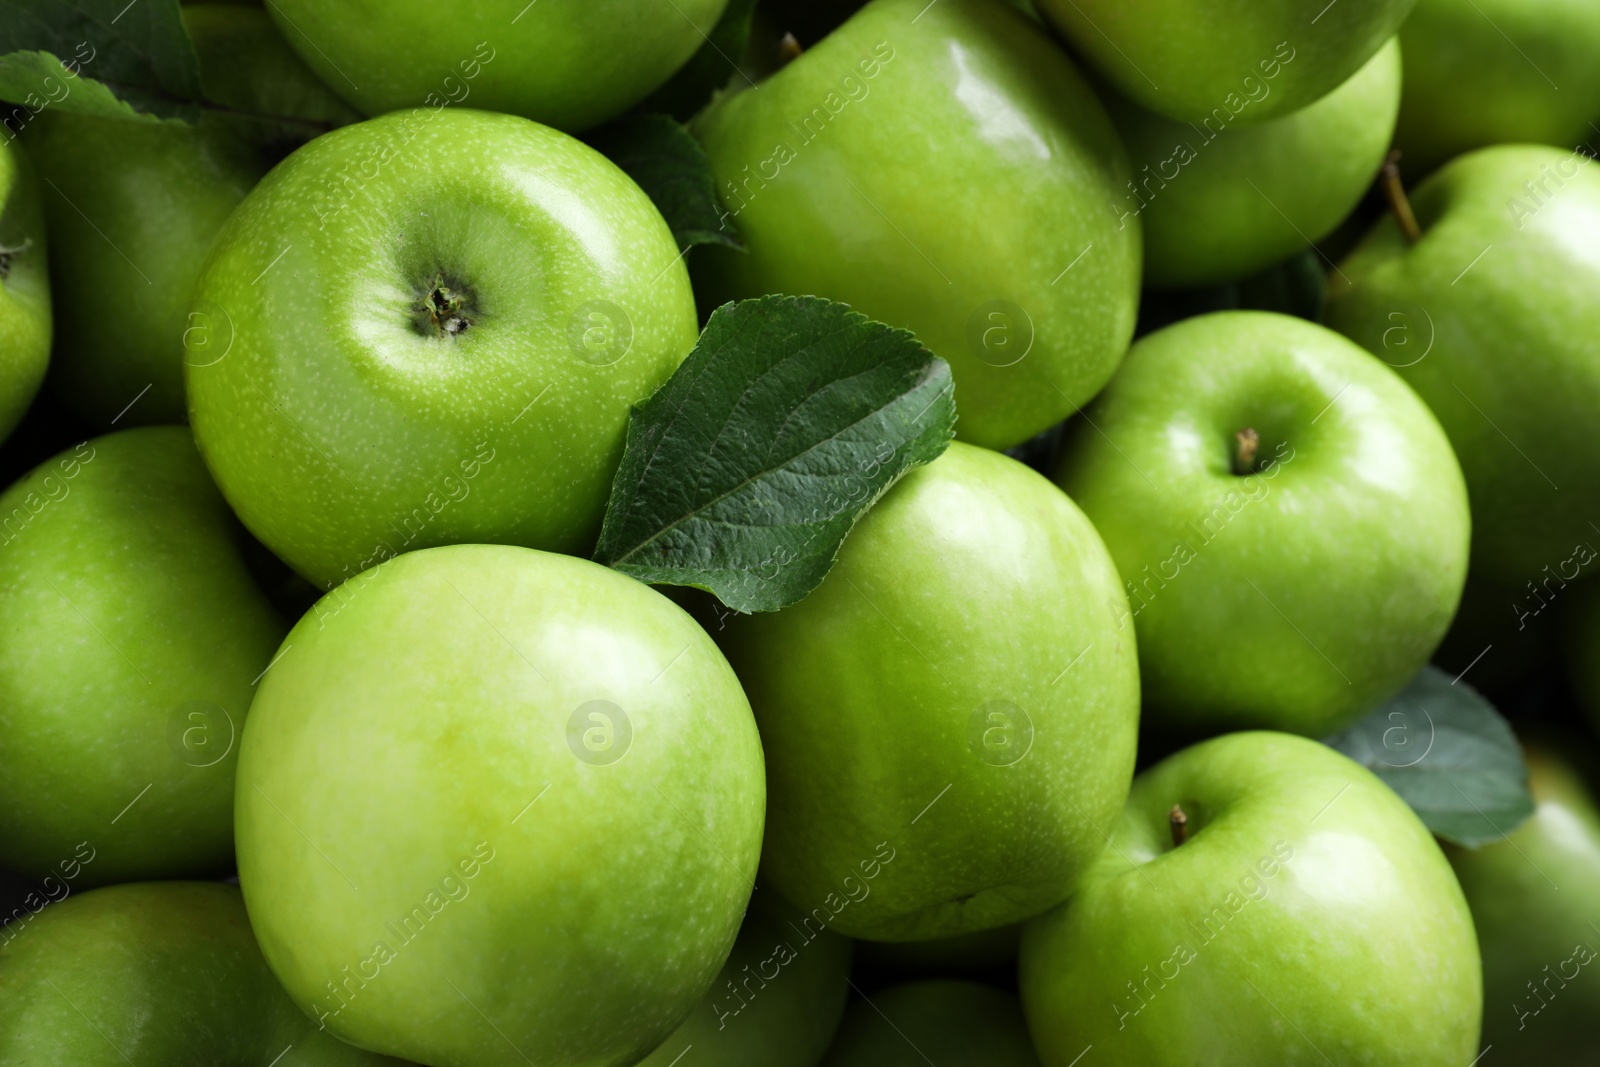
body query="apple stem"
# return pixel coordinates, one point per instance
(1178, 822)
(1399, 203)
(789, 49)
(444, 309)
(1246, 443)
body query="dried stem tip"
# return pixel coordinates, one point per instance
(1246, 443)
(1399, 203)
(1179, 823)
(444, 310)
(789, 49)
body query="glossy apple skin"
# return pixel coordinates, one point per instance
(130, 634)
(1501, 348)
(1298, 597)
(1483, 72)
(151, 975)
(1535, 899)
(1310, 918)
(776, 1002)
(25, 327)
(161, 202)
(342, 429)
(570, 64)
(133, 206)
(428, 739)
(949, 716)
(1258, 61)
(1223, 201)
(959, 168)
(957, 1024)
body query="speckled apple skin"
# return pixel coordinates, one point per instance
(950, 718)
(1310, 918)
(341, 431)
(130, 634)
(1221, 202)
(1296, 598)
(568, 63)
(133, 207)
(1535, 899)
(151, 974)
(1491, 318)
(421, 744)
(946, 169)
(1257, 59)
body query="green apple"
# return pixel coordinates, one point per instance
(1219, 202)
(952, 713)
(131, 638)
(777, 1001)
(1226, 62)
(1535, 900)
(571, 64)
(1483, 72)
(24, 288)
(1308, 918)
(152, 975)
(498, 806)
(953, 1024)
(428, 329)
(941, 167)
(133, 206)
(1293, 587)
(1491, 316)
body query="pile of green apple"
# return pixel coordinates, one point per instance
(329, 736)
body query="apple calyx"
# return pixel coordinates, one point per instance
(1246, 444)
(1400, 204)
(6, 252)
(444, 310)
(1178, 823)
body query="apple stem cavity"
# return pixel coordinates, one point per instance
(1178, 822)
(1246, 443)
(443, 311)
(1399, 203)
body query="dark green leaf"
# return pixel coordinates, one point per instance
(710, 68)
(743, 474)
(1450, 755)
(139, 52)
(660, 154)
(37, 80)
